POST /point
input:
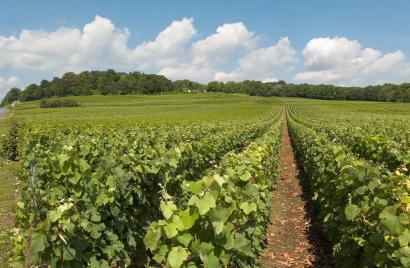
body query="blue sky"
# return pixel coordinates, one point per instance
(335, 42)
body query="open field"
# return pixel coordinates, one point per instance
(186, 180)
(177, 108)
(171, 108)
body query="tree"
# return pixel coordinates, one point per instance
(188, 86)
(156, 84)
(215, 86)
(86, 84)
(32, 92)
(46, 87)
(11, 96)
(111, 82)
(123, 85)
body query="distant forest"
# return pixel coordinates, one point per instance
(119, 83)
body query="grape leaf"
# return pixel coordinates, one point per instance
(177, 256)
(351, 212)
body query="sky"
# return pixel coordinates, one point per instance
(346, 42)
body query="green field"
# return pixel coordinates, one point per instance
(172, 108)
(184, 180)
(177, 108)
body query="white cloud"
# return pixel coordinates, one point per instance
(406, 71)
(189, 71)
(269, 79)
(228, 37)
(99, 45)
(342, 61)
(202, 59)
(38, 50)
(173, 52)
(263, 63)
(322, 53)
(167, 48)
(6, 84)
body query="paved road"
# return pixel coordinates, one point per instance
(3, 111)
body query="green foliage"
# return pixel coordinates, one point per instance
(224, 221)
(382, 138)
(157, 109)
(10, 141)
(89, 194)
(54, 103)
(110, 82)
(12, 95)
(177, 256)
(193, 194)
(188, 86)
(365, 207)
(104, 82)
(386, 92)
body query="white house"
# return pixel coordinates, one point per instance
(14, 103)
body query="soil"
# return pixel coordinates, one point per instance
(296, 237)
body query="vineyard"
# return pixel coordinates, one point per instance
(358, 168)
(177, 181)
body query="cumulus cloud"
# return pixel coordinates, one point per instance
(342, 61)
(6, 84)
(204, 56)
(227, 38)
(38, 50)
(174, 53)
(167, 48)
(263, 63)
(99, 45)
(189, 71)
(406, 71)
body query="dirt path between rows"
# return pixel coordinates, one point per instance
(295, 238)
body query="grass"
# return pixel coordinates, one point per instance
(4, 125)
(177, 108)
(7, 197)
(174, 108)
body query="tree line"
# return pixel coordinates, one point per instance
(100, 82)
(385, 92)
(111, 82)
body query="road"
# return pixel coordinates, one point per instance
(3, 111)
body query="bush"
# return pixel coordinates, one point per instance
(54, 103)
(9, 142)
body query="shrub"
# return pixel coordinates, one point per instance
(54, 103)
(9, 142)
